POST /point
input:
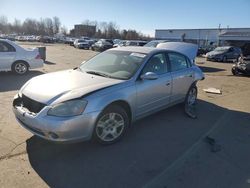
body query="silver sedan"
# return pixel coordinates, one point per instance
(106, 94)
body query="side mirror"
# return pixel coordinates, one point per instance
(149, 76)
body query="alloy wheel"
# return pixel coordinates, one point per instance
(21, 68)
(192, 95)
(110, 126)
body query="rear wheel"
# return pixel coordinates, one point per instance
(190, 102)
(20, 67)
(191, 96)
(111, 125)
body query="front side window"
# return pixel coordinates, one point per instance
(177, 61)
(156, 64)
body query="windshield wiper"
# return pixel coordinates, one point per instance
(98, 73)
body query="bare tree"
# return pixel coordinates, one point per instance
(56, 25)
(41, 27)
(64, 30)
(4, 24)
(30, 26)
(17, 26)
(48, 26)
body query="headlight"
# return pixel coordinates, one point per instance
(68, 108)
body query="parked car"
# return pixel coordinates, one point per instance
(120, 43)
(70, 41)
(101, 45)
(135, 43)
(242, 66)
(154, 43)
(31, 38)
(17, 59)
(47, 39)
(106, 94)
(202, 50)
(224, 54)
(81, 44)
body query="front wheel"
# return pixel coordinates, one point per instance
(234, 71)
(111, 125)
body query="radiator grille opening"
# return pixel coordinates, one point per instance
(30, 104)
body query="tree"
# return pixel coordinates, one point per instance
(17, 26)
(56, 25)
(48, 26)
(41, 27)
(4, 24)
(64, 30)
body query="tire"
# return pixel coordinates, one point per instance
(111, 125)
(191, 96)
(234, 71)
(20, 67)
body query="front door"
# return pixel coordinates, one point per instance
(7, 55)
(154, 94)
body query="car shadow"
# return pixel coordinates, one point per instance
(210, 69)
(10, 81)
(150, 146)
(49, 63)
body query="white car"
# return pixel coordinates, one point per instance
(17, 59)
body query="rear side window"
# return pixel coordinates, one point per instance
(177, 61)
(6, 47)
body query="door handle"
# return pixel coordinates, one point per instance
(168, 84)
(189, 75)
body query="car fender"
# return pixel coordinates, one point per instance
(99, 100)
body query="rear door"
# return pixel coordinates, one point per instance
(182, 75)
(7, 55)
(154, 94)
(233, 53)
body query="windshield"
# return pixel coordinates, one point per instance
(114, 64)
(151, 44)
(221, 49)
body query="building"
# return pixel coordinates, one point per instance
(83, 30)
(203, 37)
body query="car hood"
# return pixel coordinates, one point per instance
(188, 49)
(60, 86)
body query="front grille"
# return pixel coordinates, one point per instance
(28, 103)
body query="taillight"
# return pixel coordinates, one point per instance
(38, 57)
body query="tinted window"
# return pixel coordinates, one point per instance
(177, 61)
(157, 64)
(5, 47)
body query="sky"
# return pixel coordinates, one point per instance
(141, 15)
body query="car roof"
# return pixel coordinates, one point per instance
(138, 49)
(3, 39)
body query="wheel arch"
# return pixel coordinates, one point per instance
(123, 104)
(20, 60)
